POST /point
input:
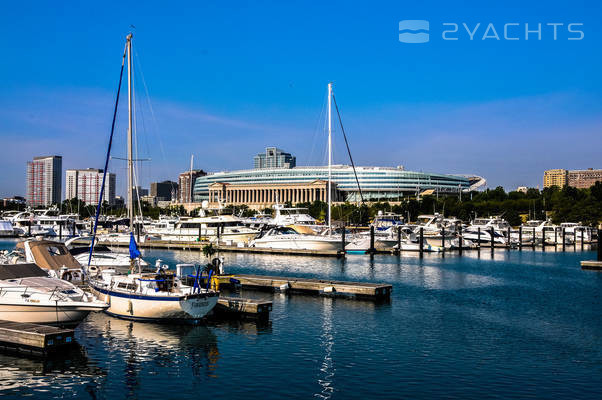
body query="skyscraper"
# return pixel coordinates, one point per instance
(44, 180)
(85, 185)
(185, 186)
(274, 158)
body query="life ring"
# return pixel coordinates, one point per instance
(67, 276)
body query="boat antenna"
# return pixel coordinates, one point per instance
(104, 175)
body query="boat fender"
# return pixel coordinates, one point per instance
(284, 287)
(67, 276)
(329, 289)
(130, 307)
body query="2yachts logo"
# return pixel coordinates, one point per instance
(417, 31)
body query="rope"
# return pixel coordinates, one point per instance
(104, 175)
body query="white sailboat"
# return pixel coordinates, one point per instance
(159, 296)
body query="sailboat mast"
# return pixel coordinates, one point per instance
(130, 158)
(329, 157)
(190, 181)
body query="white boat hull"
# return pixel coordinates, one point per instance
(156, 308)
(299, 244)
(46, 314)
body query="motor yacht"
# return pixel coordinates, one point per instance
(231, 229)
(102, 256)
(287, 238)
(577, 231)
(28, 294)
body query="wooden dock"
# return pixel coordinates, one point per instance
(360, 290)
(237, 307)
(591, 265)
(33, 339)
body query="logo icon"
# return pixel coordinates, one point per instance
(413, 31)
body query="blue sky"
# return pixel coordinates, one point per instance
(226, 80)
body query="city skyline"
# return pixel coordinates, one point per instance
(504, 110)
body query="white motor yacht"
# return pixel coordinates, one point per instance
(102, 256)
(577, 231)
(231, 229)
(28, 294)
(288, 239)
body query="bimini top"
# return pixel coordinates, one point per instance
(19, 271)
(50, 255)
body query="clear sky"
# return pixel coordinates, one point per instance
(226, 79)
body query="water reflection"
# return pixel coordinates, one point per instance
(327, 368)
(20, 374)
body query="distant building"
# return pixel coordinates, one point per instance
(584, 178)
(164, 191)
(185, 188)
(44, 180)
(119, 201)
(274, 158)
(15, 200)
(138, 192)
(522, 189)
(85, 185)
(580, 179)
(555, 177)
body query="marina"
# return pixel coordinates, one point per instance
(441, 310)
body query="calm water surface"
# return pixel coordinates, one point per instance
(515, 325)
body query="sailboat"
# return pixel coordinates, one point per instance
(160, 296)
(288, 238)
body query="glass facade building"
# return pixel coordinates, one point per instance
(274, 158)
(375, 182)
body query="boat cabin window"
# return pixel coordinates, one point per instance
(286, 231)
(127, 286)
(57, 251)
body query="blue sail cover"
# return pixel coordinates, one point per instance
(134, 252)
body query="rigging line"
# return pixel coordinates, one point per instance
(135, 133)
(152, 111)
(348, 150)
(104, 175)
(316, 129)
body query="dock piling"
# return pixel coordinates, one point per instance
(520, 238)
(399, 240)
(508, 242)
(492, 238)
(460, 244)
(543, 243)
(443, 240)
(582, 237)
(371, 249)
(555, 237)
(60, 230)
(479, 238)
(599, 246)
(533, 239)
(343, 239)
(563, 239)
(421, 242)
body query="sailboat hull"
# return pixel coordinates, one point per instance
(157, 308)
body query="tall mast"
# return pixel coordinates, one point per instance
(190, 181)
(329, 157)
(130, 161)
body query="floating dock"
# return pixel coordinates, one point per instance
(360, 290)
(33, 339)
(591, 265)
(228, 307)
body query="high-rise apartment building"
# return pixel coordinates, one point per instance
(186, 183)
(85, 185)
(584, 178)
(555, 177)
(44, 180)
(274, 158)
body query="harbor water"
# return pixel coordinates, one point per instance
(509, 325)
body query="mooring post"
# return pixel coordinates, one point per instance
(575, 239)
(398, 240)
(533, 241)
(199, 239)
(371, 249)
(343, 239)
(60, 230)
(460, 244)
(29, 228)
(543, 244)
(520, 238)
(508, 241)
(582, 236)
(563, 240)
(443, 239)
(599, 246)
(479, 238)
(555, 237)
(421, 241)
(492, 237)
